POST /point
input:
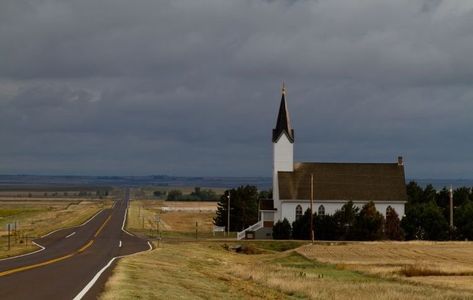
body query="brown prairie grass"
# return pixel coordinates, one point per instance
(36, 218)
(401, 260)
(415, 271)
(208, 271)
(142, 216)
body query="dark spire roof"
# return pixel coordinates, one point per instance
(283, 123)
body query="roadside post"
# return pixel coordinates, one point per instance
(228, 215)
(311, 211)
(196, 230)
(8, 236)
(158, 231)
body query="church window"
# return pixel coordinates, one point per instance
(321, 210)
(388, 209)
(298, 212)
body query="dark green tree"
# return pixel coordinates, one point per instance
(443, 202)
(282, 230)
(325, 228)
(425, 221)
(369, 223)
(345, 220)
(392, 228)
(429, 194)
(174, 195)
(464, 220)
(414, 192)
(461, 195)
(300, 227)
(203, 195)
(266, 194)
(411, 223)
(243, 208)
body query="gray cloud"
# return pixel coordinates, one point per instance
(192, 87)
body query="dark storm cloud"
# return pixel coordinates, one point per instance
(192, 87)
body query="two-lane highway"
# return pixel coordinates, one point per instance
(75, 262)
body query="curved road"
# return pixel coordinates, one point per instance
(72, 265)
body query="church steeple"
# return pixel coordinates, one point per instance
(283, 123)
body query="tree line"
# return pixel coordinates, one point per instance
(198, 194)
(348, 223)
(427, 214)
(426, 217)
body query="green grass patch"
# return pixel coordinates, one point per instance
(277, 246)
(310, 267)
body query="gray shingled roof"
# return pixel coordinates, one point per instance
(344, 181)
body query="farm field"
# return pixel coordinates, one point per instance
(177, 218)
(210, 269)
(35, 218)
(446, 264)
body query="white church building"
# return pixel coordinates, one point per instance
(330, 185)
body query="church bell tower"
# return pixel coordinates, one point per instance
(283, 149)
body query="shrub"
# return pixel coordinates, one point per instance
(392, 228)
(282, 230)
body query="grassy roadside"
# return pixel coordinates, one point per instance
(209, 271)
(36, 218)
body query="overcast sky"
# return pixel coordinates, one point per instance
(192, 87)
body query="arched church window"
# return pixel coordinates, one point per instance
(321, 210)
(298, 212)
(388, 209)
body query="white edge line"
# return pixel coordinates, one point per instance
(70, 235)
(90, 219)
(26, 254)
(42, 247)
(92, 282)
(123, 224)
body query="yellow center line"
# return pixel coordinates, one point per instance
(44, 263)
(103, 225)
(86, 246)
(54, 260)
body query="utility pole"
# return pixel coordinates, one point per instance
(158, 231)
(228, 215)
(311, 204)
(451, 206)
(8, 236)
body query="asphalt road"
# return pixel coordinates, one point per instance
(72, 257)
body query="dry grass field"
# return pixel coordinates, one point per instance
(36, 218)
(447, 264)
(177, 218)
(208, 269)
